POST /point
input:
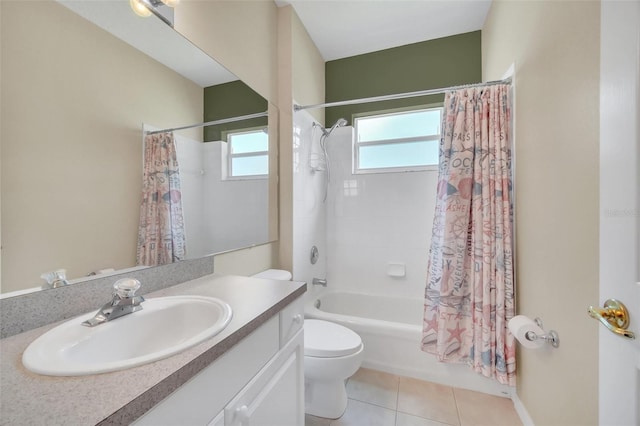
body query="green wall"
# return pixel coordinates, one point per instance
(432, 64)
(231, 100)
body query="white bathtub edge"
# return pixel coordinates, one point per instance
(368, 328)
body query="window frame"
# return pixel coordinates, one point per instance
(227, 137)
(399, 169)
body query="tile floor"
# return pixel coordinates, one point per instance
(383, 399)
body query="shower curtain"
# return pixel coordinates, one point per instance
(161, 234)
(469, 297)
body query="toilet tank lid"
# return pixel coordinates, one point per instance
(274, 274)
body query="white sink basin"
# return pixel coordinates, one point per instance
(164, 327)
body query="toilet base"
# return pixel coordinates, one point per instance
(326, 399)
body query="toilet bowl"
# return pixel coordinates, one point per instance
(332, 354)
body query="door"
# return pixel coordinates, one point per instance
(619, 357)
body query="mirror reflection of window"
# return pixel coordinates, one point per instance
(248, 154)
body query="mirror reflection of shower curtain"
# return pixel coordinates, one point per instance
(161, 234)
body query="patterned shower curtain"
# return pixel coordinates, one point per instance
(469, 297)
(161, 235)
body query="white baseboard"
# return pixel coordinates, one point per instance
(521, 410)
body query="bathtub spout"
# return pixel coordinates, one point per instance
(318, 281)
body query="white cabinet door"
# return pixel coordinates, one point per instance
(218, 421)
(275, 396)
(207, 393)
(291, 320)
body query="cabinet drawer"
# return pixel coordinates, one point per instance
(291, 320)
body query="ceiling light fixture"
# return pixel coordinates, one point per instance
(171, 3)
(139, 8)
(144, 8)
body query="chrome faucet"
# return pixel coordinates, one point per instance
(318, 281)
(123, 302)
(55, 279)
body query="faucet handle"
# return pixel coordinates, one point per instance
(126, 287)
(318, 281)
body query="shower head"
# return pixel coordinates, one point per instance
(340, 123)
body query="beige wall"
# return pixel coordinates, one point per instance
(240, 35)
(285, 164)
(0, 162)
(72, 107)
(300, 78)
(308, 69)
(555, 48)
(247, 261)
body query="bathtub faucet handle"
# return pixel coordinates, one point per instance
(318, 281)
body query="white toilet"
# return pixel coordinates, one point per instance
(274, 274)
(332, 354)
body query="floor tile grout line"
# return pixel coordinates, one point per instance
(397, 411)
(397, 398)
(422, 417)
(394, 376)
(371, 403)
(425, 418)
(455, 400)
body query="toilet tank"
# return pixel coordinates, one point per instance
(274, 274)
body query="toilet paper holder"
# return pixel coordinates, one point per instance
(551, 336)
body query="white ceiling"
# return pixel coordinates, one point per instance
(343, 28)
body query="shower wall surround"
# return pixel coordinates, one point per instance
(368, 221)
(33, 310)
(309, 212)
(374, 220)
(189, 153)
(213, 226)
(245, 220)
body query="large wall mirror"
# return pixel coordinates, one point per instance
(75, 98)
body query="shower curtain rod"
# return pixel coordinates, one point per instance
(398, 95)
(213, 123)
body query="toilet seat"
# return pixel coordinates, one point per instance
(325, 339)
(274, 274)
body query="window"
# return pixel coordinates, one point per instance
(401, 141)
(248, 153)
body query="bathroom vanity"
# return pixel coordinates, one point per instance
(250, 373)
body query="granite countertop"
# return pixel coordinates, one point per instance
(120, 397)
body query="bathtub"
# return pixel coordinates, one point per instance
(391, 330)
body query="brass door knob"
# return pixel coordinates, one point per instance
(614, 316)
